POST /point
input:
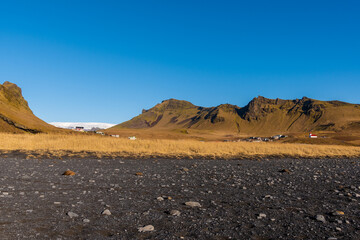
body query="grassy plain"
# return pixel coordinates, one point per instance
(86, 145)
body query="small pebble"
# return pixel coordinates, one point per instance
(106, 212)
(320, 218)
(175, 213)
(72, 214)
(338, 213)
(148, 228)
(193, 204)
(69, 173)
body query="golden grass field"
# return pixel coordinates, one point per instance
(86, 145)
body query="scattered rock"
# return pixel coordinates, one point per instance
(320, 218)
(193, 204)
(160, 198)
(226, 209)
(106, 212)
(148, 228)
(72, 214)
(175, 213)
(285, 170)
(69, 173)
(338, 213)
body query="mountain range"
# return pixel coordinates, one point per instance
(261, 116)
(178, 118)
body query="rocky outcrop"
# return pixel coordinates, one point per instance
(15, 113)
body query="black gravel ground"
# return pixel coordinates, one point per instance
(235, 196)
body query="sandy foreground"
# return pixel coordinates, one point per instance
(232, 199)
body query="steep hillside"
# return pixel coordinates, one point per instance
(260, 116)
(15, 114)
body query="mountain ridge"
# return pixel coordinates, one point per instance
(260, 116)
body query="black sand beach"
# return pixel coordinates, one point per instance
(237, 199)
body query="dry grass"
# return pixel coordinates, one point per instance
(99, 146)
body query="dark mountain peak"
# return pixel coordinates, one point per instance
(10, 84)
(175, 104)
(228, 108)
(260, 100)
(12, 87)
(12, 94)
(304, 100)
(255, 108)
(227, 105)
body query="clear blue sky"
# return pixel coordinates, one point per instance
(107, 60)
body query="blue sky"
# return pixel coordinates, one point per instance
(105, 61)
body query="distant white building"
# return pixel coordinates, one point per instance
(276, 137)
(132, 138)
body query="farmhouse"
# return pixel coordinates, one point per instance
(80, 129)
(312, 135)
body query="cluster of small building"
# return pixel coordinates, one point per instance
(264, 139)
(273, 138)
(81, 129)
(132, 138)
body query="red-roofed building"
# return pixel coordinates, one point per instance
(312, 135)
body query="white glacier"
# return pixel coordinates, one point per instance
(86, 125)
